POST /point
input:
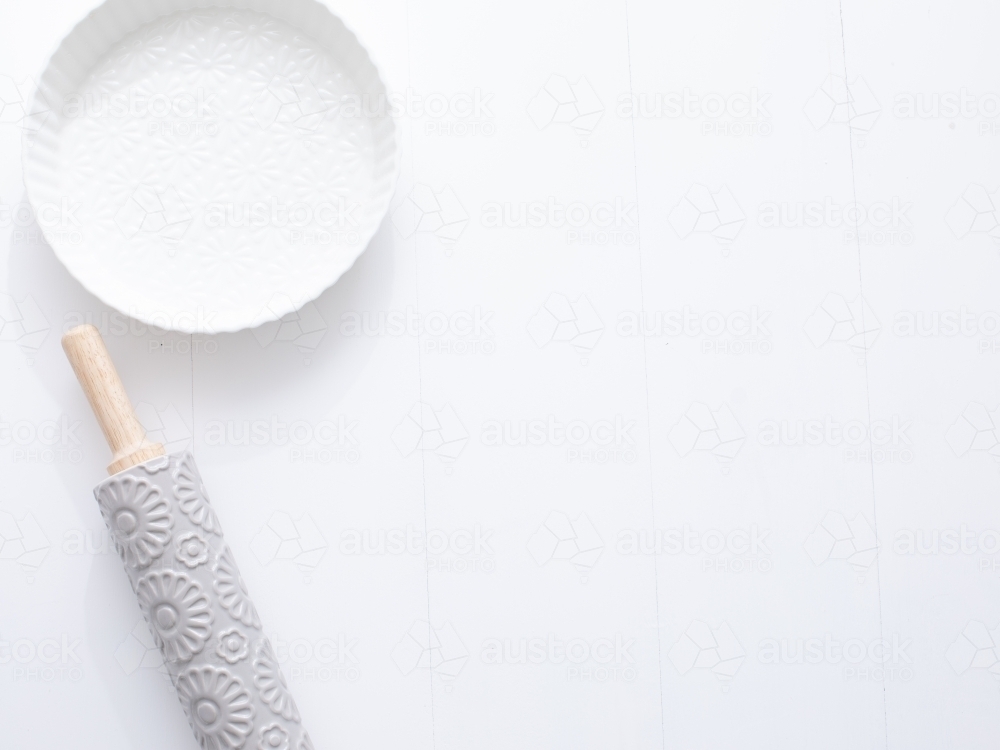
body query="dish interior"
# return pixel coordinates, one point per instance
(217, 168)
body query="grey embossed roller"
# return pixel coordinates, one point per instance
(184, 576)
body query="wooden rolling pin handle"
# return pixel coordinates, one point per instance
(97, 375)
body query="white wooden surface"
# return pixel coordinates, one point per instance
(837, 593)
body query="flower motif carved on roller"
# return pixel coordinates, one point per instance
(156, 465)
(191, 496)
(191, 549)
(271, 683)
(233, 645)
(178, 611)
(218, 707)
(273, 737)
(232, 591)
(138, 518)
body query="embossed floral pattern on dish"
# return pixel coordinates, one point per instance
(216, 105)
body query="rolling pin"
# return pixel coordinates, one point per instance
(189, 589)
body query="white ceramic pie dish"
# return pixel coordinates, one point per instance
(210, 167)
